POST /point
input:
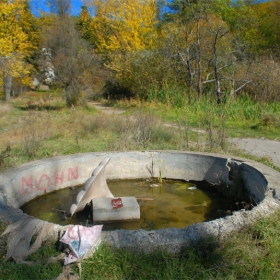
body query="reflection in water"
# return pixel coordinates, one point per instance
(162, 205)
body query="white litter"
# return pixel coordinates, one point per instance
(80, 240)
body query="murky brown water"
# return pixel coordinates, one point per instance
(170, 204)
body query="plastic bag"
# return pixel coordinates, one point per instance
(80, 239)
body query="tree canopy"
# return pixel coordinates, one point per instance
(18, 40)
(202, 46)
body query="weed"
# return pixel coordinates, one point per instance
(270, 120)
(184, 133)
(4, 155)
(216, 129)
(35, 129)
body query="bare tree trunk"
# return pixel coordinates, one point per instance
(199, 58)
(187, 63)
(216, 70)
(7, 86)
(67, 96)
(190, 80)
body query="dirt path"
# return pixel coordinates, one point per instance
(106, 109)
(259, 148)
(255, 147)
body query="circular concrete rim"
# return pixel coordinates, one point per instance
(16, 189)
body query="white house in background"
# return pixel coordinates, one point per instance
(48, 68)
(47, 75)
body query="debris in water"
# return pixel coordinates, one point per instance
(117, 203)
(144, 198)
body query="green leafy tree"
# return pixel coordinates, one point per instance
(84, 24)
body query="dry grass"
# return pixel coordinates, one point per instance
(9, 126)
(35, 127)
(4, 109)
(46, 129)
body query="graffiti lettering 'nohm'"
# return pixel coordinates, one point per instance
(44, 182)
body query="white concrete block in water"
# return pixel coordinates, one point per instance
(103, 210)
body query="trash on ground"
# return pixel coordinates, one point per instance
(80, 240)
(20, 234)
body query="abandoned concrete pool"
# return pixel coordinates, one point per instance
(165, 204)
(233, 176)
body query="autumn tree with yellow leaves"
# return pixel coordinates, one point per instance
(18, 41)
(121, 26)
(120, 31)
(202, 46)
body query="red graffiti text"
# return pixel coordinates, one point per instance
(44, 181)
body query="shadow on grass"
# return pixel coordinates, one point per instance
(195, 262)
(32, 107)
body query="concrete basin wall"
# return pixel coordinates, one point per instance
(24, 183)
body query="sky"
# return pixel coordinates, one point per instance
(76, 6)
(35, 5)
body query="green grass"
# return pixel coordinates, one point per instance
(47, 128)
(39, 268)
(243, 117)
(252, 253)
(264, 160)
